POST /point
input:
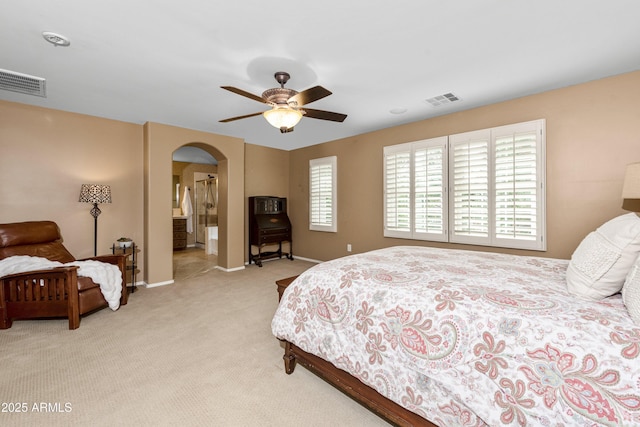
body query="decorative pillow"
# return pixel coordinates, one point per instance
(631, 292)
(601, 262)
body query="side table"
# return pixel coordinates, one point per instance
(132, 262)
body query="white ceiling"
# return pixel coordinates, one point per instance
(193, 155)
(164, 61)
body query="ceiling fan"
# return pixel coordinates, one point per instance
(287, 104)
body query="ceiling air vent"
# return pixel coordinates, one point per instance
(22, 83)
(439, 100)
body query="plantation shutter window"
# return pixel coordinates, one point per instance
(415, 190)
(469, 199)
(519, 185)
(483, 187)
(322, 194)
(430, 189)
(397, 191)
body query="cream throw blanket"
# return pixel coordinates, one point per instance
(106, 275)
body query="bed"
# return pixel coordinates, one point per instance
(428, 336)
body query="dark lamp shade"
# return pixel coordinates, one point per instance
(95, 193)
(631, 188)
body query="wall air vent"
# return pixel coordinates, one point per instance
(22, 83)
(439, 100)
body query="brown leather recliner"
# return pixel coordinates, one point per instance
(57, 292)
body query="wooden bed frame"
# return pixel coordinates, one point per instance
(347, 383)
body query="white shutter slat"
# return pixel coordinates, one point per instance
(516, 186)
(429, 189)
(397, 169)
(430, 165)
(517, 160)
(470, 190)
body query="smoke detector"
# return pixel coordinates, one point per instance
(56, 39)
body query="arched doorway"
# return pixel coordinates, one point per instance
(195, 172)
(160, 143)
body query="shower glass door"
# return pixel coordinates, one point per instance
(206, 207)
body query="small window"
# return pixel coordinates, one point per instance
(322, 194)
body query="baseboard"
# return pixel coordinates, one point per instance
(229, 270)
(294, 257)
(155, 285)
(139, 284)
(308, 259)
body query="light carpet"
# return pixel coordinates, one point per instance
(196, 353)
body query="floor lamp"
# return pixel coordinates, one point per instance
(95, 193)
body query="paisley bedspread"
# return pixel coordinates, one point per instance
(467, 338)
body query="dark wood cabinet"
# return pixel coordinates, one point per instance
(268, 225)
(179, 234)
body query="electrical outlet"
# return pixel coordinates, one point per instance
(348, 247)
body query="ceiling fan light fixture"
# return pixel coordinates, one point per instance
(283, 117)
(288, 105)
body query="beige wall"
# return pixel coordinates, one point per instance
(46, 155)
(266, 174)
(593, 131)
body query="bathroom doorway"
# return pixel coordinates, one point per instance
(196, 171)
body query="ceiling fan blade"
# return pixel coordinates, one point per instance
(244, 93)
(324, 115)
(309, 95)
(239, 117)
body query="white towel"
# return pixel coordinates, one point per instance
(108, 276)
(187, 209)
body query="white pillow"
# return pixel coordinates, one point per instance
(601, 262)
(631, 292)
